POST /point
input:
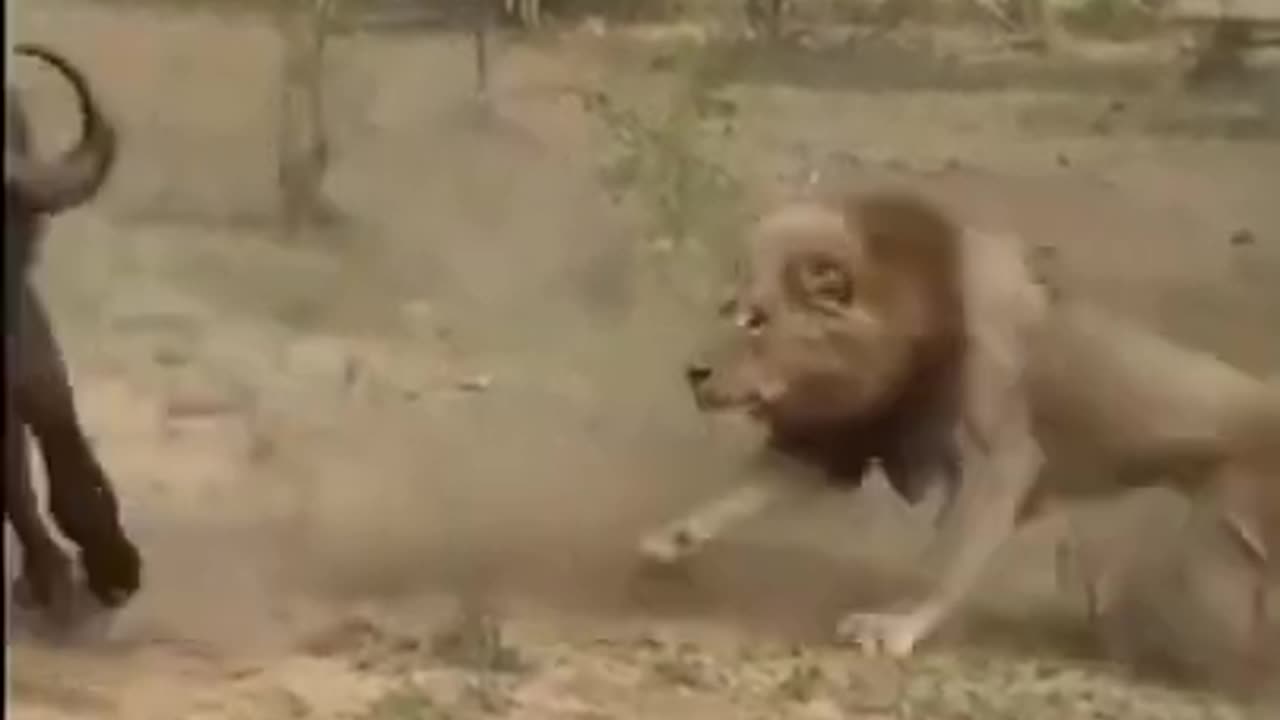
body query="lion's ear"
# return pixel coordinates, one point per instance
(825, 283)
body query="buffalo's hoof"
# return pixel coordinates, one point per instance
(48, 587)
(113, 572)
(24, 595)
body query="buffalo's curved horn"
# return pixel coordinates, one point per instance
(75, 177)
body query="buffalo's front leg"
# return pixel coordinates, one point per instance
(46, 580)
(81, 498)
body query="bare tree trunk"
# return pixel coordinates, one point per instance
(526, 12)
(1002, 15)
(482, 28)
(765, 17)
(10, 24)
(1221, 55)
(1040, 19)
(303, 140)
(1035, 25)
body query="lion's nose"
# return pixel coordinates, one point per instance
(697, 373)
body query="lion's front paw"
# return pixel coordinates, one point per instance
(891, 634)
(669, 547)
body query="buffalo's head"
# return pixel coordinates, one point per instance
(36, 187)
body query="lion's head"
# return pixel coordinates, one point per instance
(847, 325)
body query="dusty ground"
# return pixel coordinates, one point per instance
(396, 475)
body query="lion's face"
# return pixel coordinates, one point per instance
(824, 326)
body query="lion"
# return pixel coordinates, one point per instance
(872, 329)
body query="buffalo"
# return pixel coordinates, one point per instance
(38, 393)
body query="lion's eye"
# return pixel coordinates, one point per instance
(829, 282)
(753, 320)
(728, 307)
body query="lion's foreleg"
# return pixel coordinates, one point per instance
(995, 482)
(686, 536)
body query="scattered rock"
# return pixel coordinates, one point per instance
(319, 357)
(475, 383)
(822, 709)
(169, 356)
(418, 311)
(802, 682)
(475, 640)
(345, 636)
(684, 665)
(193, 406)
(1243, 237)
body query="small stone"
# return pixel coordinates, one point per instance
(170, 357)
(475, 383)
(417, 311)
(1243, 238)
(190, 404)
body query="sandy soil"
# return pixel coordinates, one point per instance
(397, 473)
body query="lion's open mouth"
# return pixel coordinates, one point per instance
(752, 405)
(757, 410)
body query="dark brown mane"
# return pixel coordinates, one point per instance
(910, 435)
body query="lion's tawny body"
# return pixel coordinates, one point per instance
(873, 328)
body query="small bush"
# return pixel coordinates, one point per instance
(662, 161)
(1112, 19)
